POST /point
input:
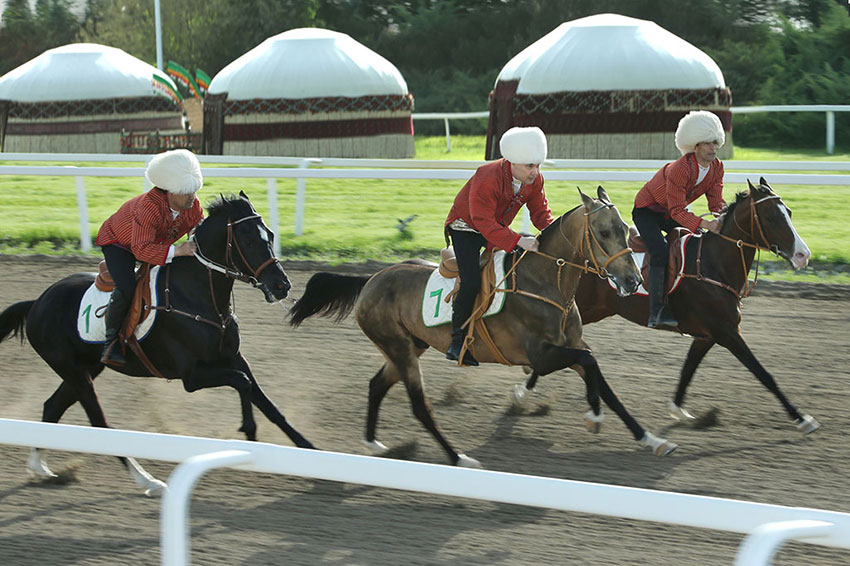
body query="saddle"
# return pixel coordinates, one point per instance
(675, 260)
(141, 297)
(448, 269)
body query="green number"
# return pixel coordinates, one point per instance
(86, 313)
(438, 293)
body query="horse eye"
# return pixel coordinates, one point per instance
(605, 233)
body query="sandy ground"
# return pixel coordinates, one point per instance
(319, 373)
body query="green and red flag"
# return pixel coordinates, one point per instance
(202, 80)
(184, 77)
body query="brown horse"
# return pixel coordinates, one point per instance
(707, 302)
(537, 325)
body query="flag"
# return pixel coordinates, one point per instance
(182, 76)
(202, 80)
(164, 87)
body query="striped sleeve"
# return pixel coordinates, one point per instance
(676, 191)
(146, 221)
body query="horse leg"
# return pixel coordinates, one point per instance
(411, 374)
(558, 357)
(379, 385)
(735, 343)
(699, 348)
(240, 378)
(269, 409)
(53, 409)
(522, 390)
(78, 385)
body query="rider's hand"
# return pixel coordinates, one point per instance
(529, 243)
(711, 225)
(186, 248)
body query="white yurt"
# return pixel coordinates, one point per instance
(79, 97)
(309, 92)
(607, 87)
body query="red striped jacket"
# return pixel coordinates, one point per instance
(487, 203)
(674, 187)
(144, 226)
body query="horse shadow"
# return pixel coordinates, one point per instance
(354, 524)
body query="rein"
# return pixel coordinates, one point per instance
(755, 223)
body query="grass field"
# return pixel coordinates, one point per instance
(351, 220)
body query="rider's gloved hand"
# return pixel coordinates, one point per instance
(529, 243)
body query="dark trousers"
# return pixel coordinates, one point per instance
(650, 224)
(122, 266)
(467, 246)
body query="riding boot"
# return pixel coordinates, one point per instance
(659, 312)
(453, 353)
(116, 312)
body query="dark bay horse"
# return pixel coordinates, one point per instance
(708, 307)
(537, 325)
(196, 340)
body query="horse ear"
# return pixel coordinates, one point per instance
(763, 182)
(243, 195)
(588, 202)
(603, 196)
(752, 188)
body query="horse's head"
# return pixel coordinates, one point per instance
(234, 240)
(759, 216)
(596, 232)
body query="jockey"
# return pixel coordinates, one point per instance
(145, 229)
(482, 214)
(661, 204)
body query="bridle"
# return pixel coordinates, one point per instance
(764, 244)
(587, 240)
(229, 270)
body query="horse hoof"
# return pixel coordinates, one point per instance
(678, 413)
(659, 446)
(520, 393)
(37, 468)
(807, 424)
(464, 461)
(375, 448)
(593, 422)
(155, 488)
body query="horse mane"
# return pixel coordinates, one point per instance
(741, 195)
(551, 227)
(221, 203)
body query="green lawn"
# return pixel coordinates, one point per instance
(350, 220)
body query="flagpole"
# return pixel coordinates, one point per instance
(158, 35)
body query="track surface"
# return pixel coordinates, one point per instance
(319, 374)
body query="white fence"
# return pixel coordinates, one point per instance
(828, 109)
(767, 526)
(597, 170)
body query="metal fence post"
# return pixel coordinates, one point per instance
(82, 207)
(300, 195)
(271, 192)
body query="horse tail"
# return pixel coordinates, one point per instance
(12, 320)
(328, 294)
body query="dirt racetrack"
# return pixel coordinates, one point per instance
(319, 373)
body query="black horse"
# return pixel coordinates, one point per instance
(195, 337)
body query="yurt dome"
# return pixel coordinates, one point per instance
(309, 92)
(79, 98)
(607, 86)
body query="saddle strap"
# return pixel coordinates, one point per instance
(136, 348)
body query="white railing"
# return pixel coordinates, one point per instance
(767, 526)
(829, 109)
(577, 170)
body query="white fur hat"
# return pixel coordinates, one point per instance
(524, 145)
(699, 126)
(176, 171)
